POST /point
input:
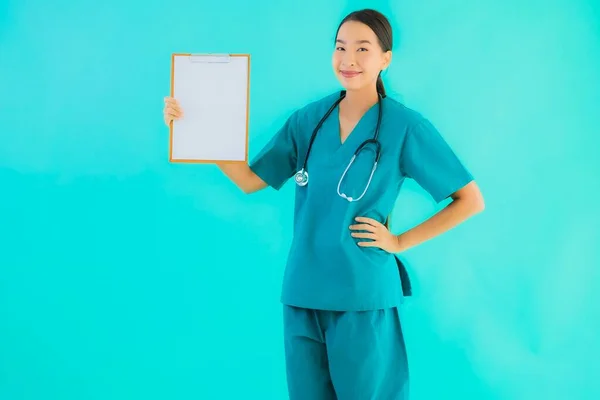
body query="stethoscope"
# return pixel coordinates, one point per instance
(301, 177)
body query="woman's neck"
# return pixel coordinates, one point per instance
(359, 101)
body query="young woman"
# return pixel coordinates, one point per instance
(349, 154)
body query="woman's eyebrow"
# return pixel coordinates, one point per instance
(358, 41)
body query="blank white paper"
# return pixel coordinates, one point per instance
(213, 95)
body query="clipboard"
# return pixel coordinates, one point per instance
(213, 91)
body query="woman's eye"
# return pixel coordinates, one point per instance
(362, 48)
(339, 48)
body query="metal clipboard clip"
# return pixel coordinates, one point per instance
(209, 58)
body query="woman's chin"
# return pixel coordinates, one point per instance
(350, 84)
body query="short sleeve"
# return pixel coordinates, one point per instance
(430, 161)
(276, 161)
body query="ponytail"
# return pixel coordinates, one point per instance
(380, 88)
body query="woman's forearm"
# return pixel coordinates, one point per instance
(242, 176)
(466, 203)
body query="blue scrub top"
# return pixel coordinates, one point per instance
(326, 269)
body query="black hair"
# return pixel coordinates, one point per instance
(382, 28)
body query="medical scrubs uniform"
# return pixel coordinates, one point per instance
(342, 329)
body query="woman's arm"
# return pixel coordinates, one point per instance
(243, 177)
(466, 202)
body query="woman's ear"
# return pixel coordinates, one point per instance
(387, 59)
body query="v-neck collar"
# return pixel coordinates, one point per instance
(366, 124)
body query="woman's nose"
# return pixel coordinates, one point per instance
(349, 61)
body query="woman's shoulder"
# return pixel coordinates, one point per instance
(319, 105)
(400, 114)
(412, 122)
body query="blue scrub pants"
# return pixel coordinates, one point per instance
(345, 355)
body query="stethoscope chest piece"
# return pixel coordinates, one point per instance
(301, 177)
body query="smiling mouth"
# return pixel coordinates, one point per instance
(349, 74)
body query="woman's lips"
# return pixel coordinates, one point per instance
(349, 74)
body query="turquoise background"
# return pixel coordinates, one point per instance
(123, 276)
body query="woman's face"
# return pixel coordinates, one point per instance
(358, 57)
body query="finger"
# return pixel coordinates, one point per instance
(363, 227)
(173, 112)
(172, 104)
(364, 235)
(172, 108)
(170, 100)
(368, 244)
(369, 221)
(171, 115)
(169, 119)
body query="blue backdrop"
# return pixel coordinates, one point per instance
(125, 277)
